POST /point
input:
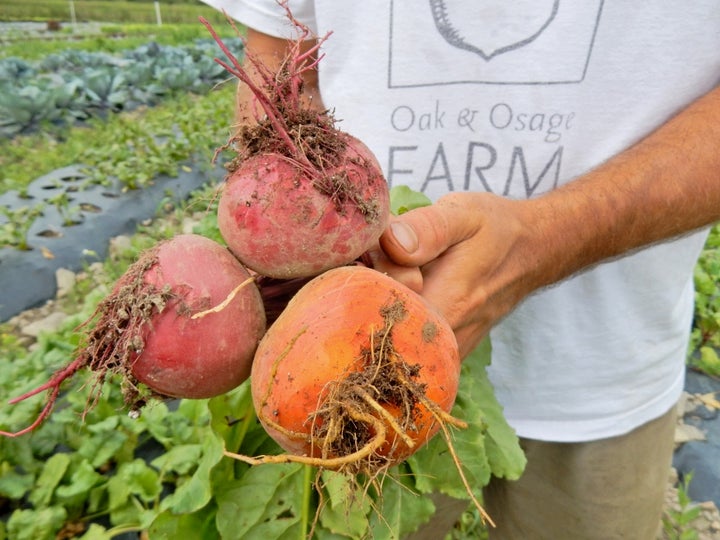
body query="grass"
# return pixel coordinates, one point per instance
(106, 11)
(677, 524)
(111, 39)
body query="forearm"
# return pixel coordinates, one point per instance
(666, 185)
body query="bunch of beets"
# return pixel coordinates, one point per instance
(349, 369)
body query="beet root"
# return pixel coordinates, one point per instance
(183, 321)
(202, 342)
(282, 223)
(301, 196)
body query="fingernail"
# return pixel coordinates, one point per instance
(405, 236)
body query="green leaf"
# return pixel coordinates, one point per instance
(103, 442)
(404, 199)
(36, 524)
(709, 361)
(51, 475)
(488, 446)
(232, 415)
(434, 468)
(15, 485)
(133, 516)
(180, 459)
(200, 524)
(82, 480)
(264, 503)
(506, 458)
(133, 478)
(198, 490)
(96, 532)
(168, 428)
(134, 483)
(689, 515)
(401, 509)
(97, 500)
(347, 506)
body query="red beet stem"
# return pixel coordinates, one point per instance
(237, 70)
(54, 385)
(287, 91)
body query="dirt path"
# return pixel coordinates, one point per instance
(706, 523)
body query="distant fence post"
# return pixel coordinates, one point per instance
(157, 13)
(73, 18)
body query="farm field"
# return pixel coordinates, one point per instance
(138, 101)
(104, 11)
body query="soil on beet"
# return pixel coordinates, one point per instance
(119, 325)
(315, 133)
(383, 379)
(324, 149)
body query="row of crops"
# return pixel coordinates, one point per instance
(128, 11)
(75, 85)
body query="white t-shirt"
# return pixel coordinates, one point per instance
(517, 98)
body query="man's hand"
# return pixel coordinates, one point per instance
(463, 254)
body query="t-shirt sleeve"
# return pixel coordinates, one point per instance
(267, 16)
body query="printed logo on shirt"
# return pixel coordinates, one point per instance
(536, 33)
(518, 23)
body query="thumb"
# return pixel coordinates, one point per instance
(422, 234)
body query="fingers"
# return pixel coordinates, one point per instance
(440, 226)
(410, 276)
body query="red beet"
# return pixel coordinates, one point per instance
(184, 320)
(191, 350)
(301, 196)
(281, 223)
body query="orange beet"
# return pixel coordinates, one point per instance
(353, 349)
